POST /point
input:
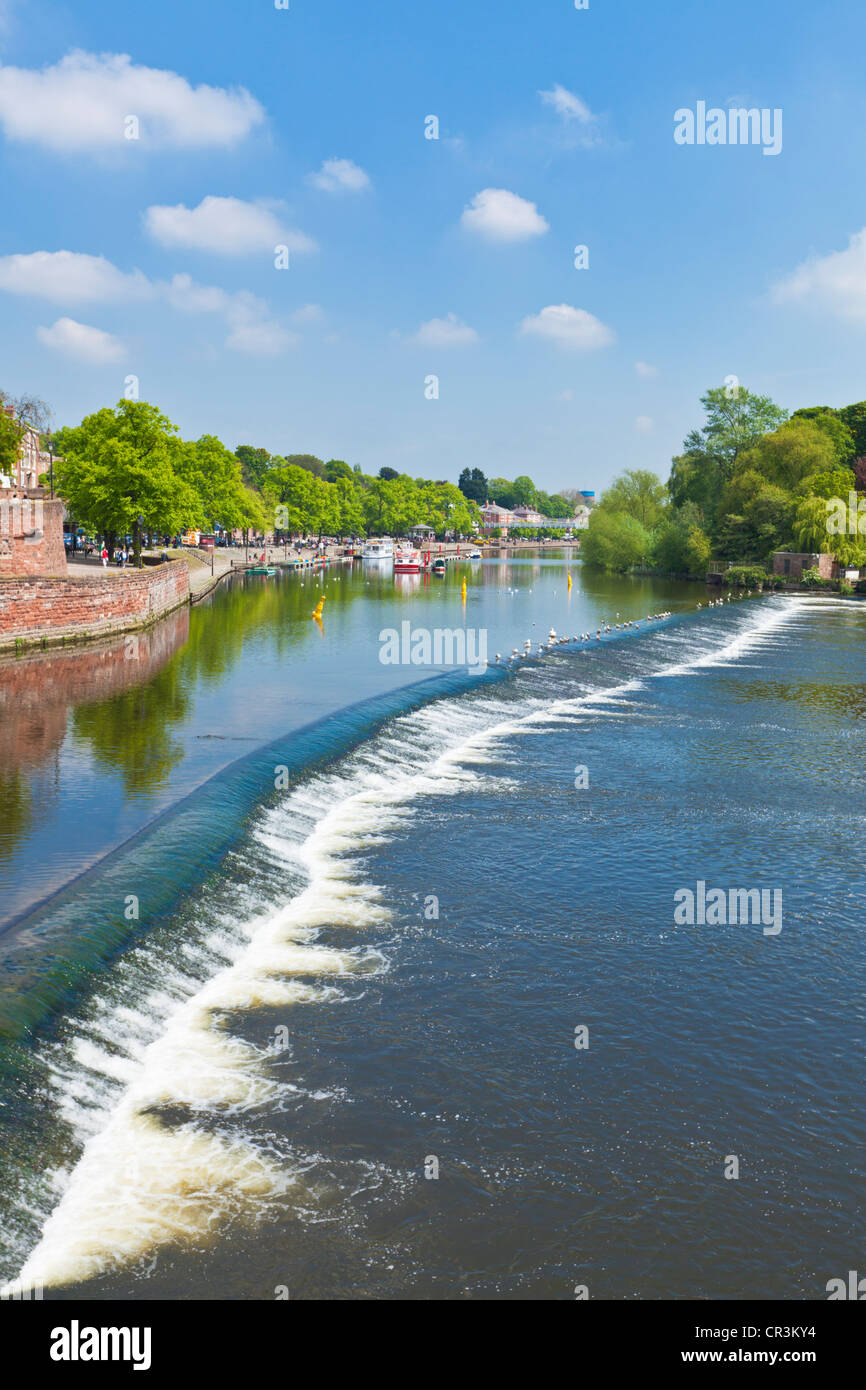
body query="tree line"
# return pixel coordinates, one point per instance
(750, 480)
(126, 470)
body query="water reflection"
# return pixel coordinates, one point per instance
(102, 687)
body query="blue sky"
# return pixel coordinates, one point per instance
(412, 257)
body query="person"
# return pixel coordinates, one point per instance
(104, 556)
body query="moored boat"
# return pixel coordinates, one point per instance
(378, 550)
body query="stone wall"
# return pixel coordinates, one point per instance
(31, 533)
(87, 606)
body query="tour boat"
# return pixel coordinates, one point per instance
(438, 565)
(378, 550)
(408, 561)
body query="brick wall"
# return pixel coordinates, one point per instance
(90, 605)
(792, 563)
(31, 533)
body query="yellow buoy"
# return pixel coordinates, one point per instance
(569, 583)
(463, 590)
(317, 611)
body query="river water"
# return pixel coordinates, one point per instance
(370, 984)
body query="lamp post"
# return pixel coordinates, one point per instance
(51, 463)
(140, 524)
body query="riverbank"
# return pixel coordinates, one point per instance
(84, 605)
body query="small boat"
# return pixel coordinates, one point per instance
(378, 550)
(262, 569)
(475, 555)
(408, 561)
(438, 566)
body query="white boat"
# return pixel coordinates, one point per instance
(475, 555)
(407, 560)
(378, 550)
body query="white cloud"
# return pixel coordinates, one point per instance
(644, 369)
(224, 226)
(70, 277)
(82, 102)
(340, 176)
(643, 424)
(836, 282)
(65, 276)
(81, 342)
(567, 104)
(308, 313)
(498, 215)
(260, 337)
(569, 328)
(447, 332)
(251, 327)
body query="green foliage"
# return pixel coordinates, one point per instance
(854, 416)
(615, 541)
(746, 577)
(119, 465)
(473, 484)
(680, 546)
(639, 494)
(10, 438)
(835, 428)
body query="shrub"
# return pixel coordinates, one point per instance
(813, 578)
(746, 576)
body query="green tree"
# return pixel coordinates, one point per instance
(615, 541)
(10, 439)
(215, 475)
(638, 493)
(117, 466)
(255, 464)
(834, 427)
(473, 484)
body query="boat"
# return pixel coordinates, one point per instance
(407, 560)
(475, 555)
(378, 550)
(262, 569)
(438, 566)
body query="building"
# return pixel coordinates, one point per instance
(32, 460)
(528, 516)
(791, 564)
(31, 525)
(494, 517)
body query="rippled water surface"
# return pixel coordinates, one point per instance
(334, 1054)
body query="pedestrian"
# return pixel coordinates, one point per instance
(104, 557)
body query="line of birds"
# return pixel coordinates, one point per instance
(554, 641)
(720, 602)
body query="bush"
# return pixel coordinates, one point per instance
(746, 577)
(813, 578)
(845, 589)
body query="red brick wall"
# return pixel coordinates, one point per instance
(90, 605)
(22, 551)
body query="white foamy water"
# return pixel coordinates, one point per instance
(143, 1181)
